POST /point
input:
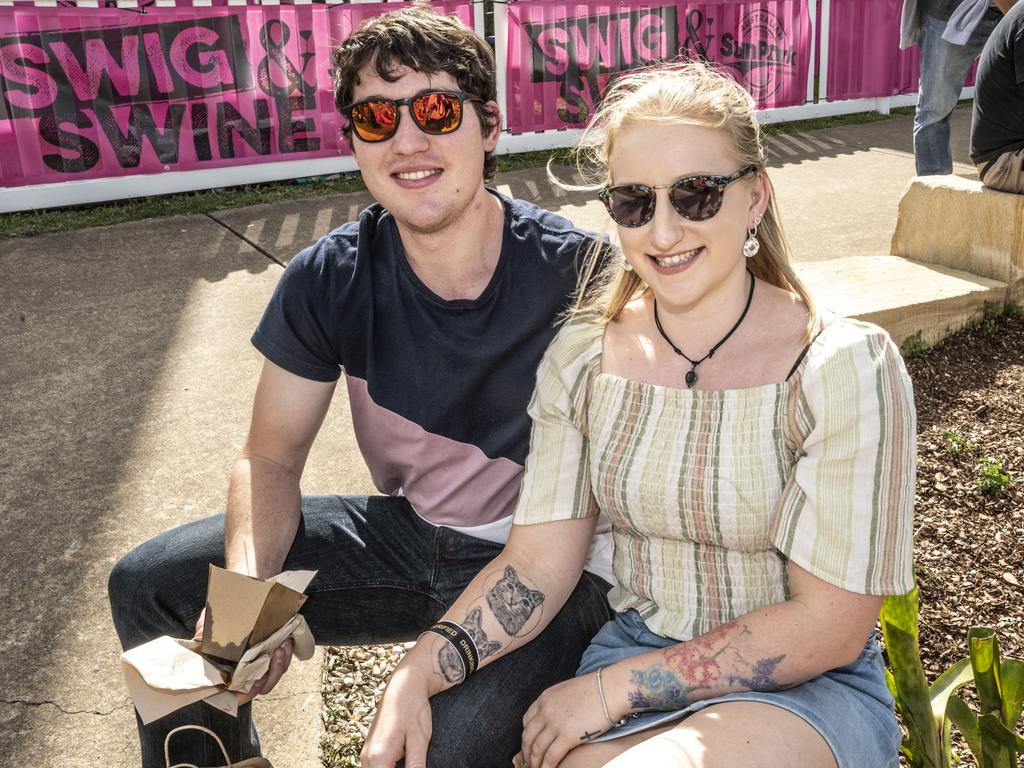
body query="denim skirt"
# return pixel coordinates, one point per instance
(850, 706)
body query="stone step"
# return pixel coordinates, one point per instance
(902, 296)
(961, 224)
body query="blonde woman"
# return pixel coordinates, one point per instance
(755, 461)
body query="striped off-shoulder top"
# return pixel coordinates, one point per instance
(710, 492)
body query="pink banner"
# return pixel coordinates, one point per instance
(562, 54)
(145, 4)
(864, 56)
(97, 93)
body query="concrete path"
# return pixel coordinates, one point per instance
(127, 376)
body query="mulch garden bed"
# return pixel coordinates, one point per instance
(969, 513)
(969, 522)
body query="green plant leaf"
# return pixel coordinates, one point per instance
(907, 750)
(1013, 691)
(950, 681)
(990, 726)
(899, 628)
(890, 683)
(984, 649)
(960, 715)
(999, 742)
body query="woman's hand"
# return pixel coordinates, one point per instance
(403, 723)
(563, 717)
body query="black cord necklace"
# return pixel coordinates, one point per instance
(691, 375)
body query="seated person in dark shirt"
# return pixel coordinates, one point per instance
(437, 305)
(997, 130)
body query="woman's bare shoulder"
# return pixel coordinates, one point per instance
(624, 339)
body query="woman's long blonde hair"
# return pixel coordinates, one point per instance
(680, 93)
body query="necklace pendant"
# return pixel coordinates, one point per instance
(691, 378)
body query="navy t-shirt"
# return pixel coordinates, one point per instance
(998, 120)
(438, 388)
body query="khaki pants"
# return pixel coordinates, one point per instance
(1005, 173)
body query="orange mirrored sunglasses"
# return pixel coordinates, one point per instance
(434, 112)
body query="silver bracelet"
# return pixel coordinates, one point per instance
(604, 704)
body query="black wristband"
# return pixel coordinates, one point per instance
(461, 641)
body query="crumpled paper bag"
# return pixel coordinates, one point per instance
(167, 674)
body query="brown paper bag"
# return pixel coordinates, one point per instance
(165, 675)
(252, 762)
(247, 620)
(242, 611)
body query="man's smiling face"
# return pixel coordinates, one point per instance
(427, 182)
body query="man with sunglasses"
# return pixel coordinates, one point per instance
(438, 304)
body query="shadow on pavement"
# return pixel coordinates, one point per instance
(124, 364)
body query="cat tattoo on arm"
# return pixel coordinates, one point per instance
(449, 659)
(512, 602)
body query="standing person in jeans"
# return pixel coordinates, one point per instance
(997, 127)
(951, 34)
(438, 304)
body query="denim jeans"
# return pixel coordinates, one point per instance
(943, 69)
(383, 576)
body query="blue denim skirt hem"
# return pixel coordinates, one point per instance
(850, 706)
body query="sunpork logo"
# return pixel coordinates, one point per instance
(579, 52)
(760, 49)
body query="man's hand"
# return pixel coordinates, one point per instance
(279, 663)
(563, 717)
(403, 723)
(1004, 5)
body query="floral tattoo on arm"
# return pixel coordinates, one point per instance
(658, 688)
(698, 665)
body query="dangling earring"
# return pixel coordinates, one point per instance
(752, 245)
(626, 265)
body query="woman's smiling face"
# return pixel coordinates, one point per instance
(684, 261)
